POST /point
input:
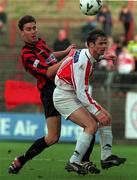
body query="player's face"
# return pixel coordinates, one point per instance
(99, 47)
(29, 33)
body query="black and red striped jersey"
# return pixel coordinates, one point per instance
(36, 59)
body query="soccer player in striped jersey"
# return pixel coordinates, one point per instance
(41, 62)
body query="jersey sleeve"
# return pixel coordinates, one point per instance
(33, 64)
(81, 73)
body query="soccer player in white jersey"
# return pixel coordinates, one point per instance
(73, 101)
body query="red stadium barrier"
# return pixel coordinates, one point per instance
(19, 93)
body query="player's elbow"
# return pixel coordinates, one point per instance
(50, 74)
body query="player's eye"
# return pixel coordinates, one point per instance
(34, 28)
(30, 28)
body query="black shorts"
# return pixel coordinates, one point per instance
(47, 101)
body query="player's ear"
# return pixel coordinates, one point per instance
(91, 45)
(22, 33)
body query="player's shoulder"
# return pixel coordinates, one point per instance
(83, 54)
(25, 48)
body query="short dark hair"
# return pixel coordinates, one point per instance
(25, 19)
(94, 34)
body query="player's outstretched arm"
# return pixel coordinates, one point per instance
(64, 53)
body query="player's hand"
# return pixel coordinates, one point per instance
(69, 48)
(110, 57)
(103, 120)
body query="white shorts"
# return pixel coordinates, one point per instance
(66, 102)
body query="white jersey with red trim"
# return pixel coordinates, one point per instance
(74, 74)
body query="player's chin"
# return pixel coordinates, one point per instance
(102, 52)
(33, 41)
(33, 38)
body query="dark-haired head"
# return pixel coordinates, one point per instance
(24, 20)
(94, 35)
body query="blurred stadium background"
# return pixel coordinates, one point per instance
(21, 119)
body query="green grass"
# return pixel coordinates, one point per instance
(50, 164)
